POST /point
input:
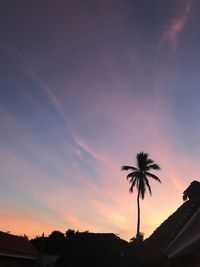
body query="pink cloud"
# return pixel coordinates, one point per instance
(176, 27)
(21, 221)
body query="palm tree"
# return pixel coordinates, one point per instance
(138, 177)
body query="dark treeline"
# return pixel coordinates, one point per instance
(88, 249)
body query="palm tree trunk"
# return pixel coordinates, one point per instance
(138, 219)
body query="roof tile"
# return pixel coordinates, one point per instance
(16, 245)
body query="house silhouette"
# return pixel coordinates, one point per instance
(17, 251)
(176, 242)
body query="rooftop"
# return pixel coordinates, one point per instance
(16, 246)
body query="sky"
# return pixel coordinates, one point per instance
(84, 87)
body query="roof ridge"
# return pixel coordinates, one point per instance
(16, 245)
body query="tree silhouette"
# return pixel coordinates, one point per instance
(192, 192)
(138, 178)
(55, 242)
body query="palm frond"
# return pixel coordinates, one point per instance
(131, 179)
(131, 188)
(149, 161)
(153, 166)
(133, 182)
(148, 185)
(153, 176)
(142, 190)
(131, 175)
(126, 168)
(142, 155)
(141, 160)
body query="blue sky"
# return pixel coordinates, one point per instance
(84, 88)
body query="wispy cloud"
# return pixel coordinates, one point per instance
(176, 27)
(112, 114)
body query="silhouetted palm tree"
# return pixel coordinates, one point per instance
(138, 177)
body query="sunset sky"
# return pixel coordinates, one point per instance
(85, 86)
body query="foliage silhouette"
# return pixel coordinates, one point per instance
(92, 249)
(40, 243)
(139, 238)
(138, 178)
(72, 234)
(55, 242)
(87, 249)
(192, 192)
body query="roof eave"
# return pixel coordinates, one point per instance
(19, 256)
(169, 248)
